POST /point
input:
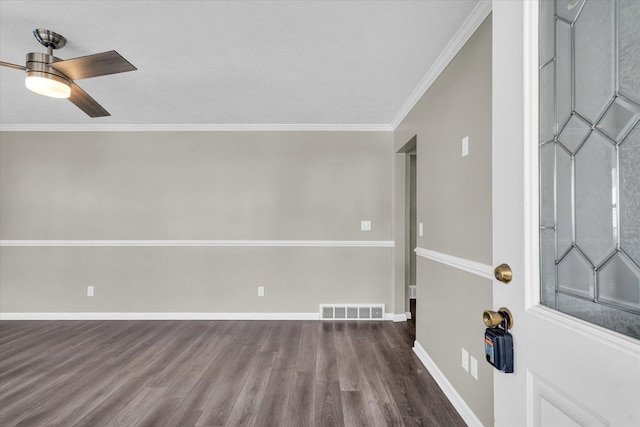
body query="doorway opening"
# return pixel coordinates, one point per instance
(410, 226)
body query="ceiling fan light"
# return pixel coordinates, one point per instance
(47, 84)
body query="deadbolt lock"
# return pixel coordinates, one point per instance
(503, 273)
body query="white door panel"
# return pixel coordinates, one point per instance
(567, 371)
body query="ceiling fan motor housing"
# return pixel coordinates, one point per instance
(38, 65)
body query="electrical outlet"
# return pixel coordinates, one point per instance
(465, 146)
(474, 367)
(465, 360)
(365, 225)
(420, 229)
(260, 291)
(89, 291)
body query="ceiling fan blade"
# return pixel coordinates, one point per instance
(83, 101)
(99, 64)
(8, 64)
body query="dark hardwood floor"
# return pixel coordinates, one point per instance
(215, 373)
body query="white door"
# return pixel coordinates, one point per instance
(567, 372)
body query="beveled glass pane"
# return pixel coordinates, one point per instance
(563, 64)
(547, 165)
(547, 268)
(595, 210)
(564, 223)
(630, 194)
(547, 109)
(594, 58)
(619, 283)
(575, 275)
(619, 118)
(614, 319)
(574, 133)
(547, 20)
(568, 9)
(629, 48)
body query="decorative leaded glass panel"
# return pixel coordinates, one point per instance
(575, 275)
(589, 153)
(568, 9)
(574, 133)
(593, 41)
(547, 23)
(629, 48)
(547, 109)
(619, 118)
(547, 268)
(594, 189)
(619, 283)
(629, 195)
(563, 66)
(564, 211)
(547, 167)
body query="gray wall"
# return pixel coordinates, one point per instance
(454, 204)
(194, 186)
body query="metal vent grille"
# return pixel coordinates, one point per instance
(352, 311)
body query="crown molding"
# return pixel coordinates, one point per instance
(195, 128)
(468, 28)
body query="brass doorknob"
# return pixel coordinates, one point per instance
(493, 319)
(503, 273)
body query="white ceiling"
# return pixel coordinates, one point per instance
(235, 62)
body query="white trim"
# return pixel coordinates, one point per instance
(603, 336)
(530, 155)
(539, 389)
(468, 28)
(408, 314)
(413, 291)
(198, 243)
(159, 316)
(477, 268)
(180, 316)
(402, 317)
(454, 397)
(196, 128)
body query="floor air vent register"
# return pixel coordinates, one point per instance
(352, 311)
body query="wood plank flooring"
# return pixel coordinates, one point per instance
(215, 373)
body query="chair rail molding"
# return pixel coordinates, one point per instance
(200, 243)
(474, 267)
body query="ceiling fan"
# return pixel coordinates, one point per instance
(54, 77)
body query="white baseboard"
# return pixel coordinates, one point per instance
(159, 316)
(402, 317)
(175, 316)
(408, 314)
(456, 400)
